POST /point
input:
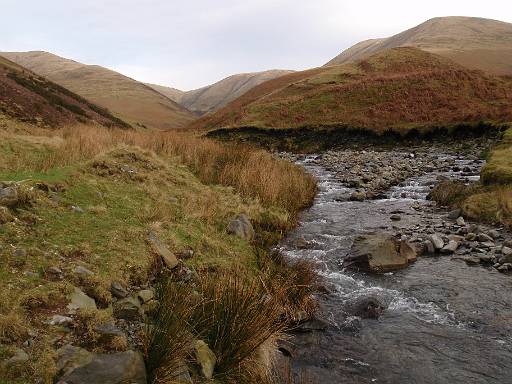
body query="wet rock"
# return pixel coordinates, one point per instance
(161, 250)
(451, 247)
(365, 307)
(505, 267)
(437, 241)
(79, 300)
(470, 260)
(358, 196)
(205, 358)
(486, 258)
(312, 324)
(118, 290)
(241, 226)
(9, 196)
(128, 308)
(429, 247)
(396, 217)
(408, 251)
(78, 366)
(375, 253)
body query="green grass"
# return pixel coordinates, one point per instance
(498, 169)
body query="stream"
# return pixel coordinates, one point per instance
(445, 321)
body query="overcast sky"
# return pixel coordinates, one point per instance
(192, 43)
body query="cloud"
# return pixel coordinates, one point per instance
(197, 42)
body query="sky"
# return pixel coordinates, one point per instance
(192, 43)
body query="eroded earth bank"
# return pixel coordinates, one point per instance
(441, 312)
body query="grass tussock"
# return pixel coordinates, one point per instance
(235, 315)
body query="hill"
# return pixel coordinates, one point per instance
(172, 93)
(135, 102)
(213, 97)
(401, 89)
(475, 43)
(30, 98)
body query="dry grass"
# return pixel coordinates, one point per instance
(253, 173)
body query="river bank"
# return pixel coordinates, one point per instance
(443, 319)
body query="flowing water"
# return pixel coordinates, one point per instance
(445, 322)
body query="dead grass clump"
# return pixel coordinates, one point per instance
(451, 193)
(12, 326)
(233, 314)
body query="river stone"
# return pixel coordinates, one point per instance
(455, 214)
(161, 250)
(408, 251)
(471, 236)
(461, 221)
(429, 247)
(506, 251)
(241, 226)
(376, 253)
(358, 196)
(437, 241)
(451, 247)
(60, 320)
(78, 366)
(79, 300)
(128, 308)
(205, 358)
(9, 196)
(494, 234)
(365, 307)
(395, 217)
(484, 238)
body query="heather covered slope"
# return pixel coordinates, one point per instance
(401, 89)
(28, 97)
(475, 43)
(133, 101)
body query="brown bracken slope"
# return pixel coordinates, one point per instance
(400, 89)
(28, 97)
(133, 101)
(473, 42)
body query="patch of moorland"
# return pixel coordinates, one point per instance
(82, 207)
(400, 89)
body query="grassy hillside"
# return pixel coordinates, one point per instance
(399, 89)
(28, 97)
(172, 93)
(213, 97)
(133, 101)
(88, 197)
(475, 43)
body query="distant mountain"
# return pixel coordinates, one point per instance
(213, 97)
(475, 43)
(399, 88)
(172, 93)
(133, 101)
(31, 98)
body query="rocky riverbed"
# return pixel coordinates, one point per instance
(442, 314)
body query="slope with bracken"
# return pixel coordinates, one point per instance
(475, 43)
(215, 96)
(28, 97)
(135, 102)
(401, 89)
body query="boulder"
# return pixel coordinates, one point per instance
(365, 307)
(437, 241)
(161, 250)
(461, 221)
(408, 251)
(118, 290)
(241, 226)
(78, 366)
(455, 214)
(376, 253)
(9, 196)
(79, 300)
(128, 308)
(205, 358)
